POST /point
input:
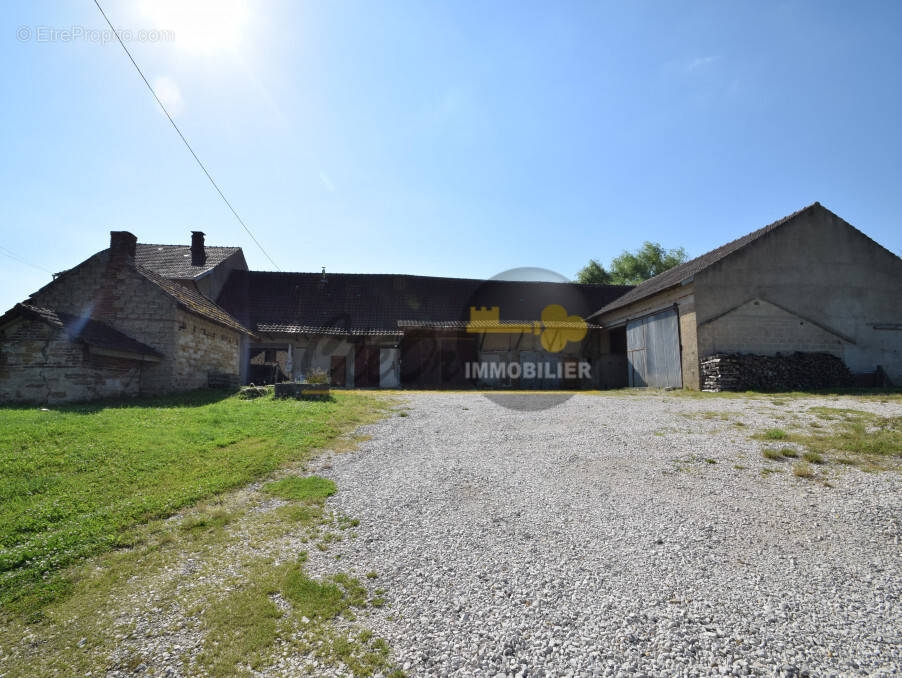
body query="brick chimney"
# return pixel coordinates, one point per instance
(123, 243)
(198, 253)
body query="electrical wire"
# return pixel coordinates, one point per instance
(182, 137)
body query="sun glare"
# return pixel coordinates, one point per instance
(199, 25)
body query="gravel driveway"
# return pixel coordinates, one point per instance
(616, 536)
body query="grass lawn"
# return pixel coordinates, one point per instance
(78, 479)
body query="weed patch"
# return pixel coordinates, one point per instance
(312, 489)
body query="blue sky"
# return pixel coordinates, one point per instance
(456, 138)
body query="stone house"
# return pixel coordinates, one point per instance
(111, 326)
(142, 319)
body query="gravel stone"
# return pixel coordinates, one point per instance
(597, 538)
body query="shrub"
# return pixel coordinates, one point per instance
(317, 376)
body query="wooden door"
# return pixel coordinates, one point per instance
(338, 371)
(366, 366)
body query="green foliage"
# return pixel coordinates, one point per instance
(77, 479)
(593, 273)
(774, 434)
(631, 268)
(313, 489)
(316, 376)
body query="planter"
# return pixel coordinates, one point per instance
(299, 391)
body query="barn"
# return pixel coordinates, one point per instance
(808, 284)
(389, 331)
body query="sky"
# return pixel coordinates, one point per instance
(441, 138)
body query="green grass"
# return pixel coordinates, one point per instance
(78, 479)
(851, 437)
(241, 628)
(312, 489)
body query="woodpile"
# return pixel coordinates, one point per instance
(793, 372)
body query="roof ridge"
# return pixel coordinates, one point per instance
(209, 247)
(652, 286)
(438, 277)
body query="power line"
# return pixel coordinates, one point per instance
(182, 136)
(15, 257)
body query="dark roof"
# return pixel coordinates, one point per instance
(174, 261)
(363, 303)
(192, 300)
(676, 275)
(84, 329)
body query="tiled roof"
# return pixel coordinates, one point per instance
(174, 261)
(674, 276)
(489, 324)
(192, 300)
(360, 303)
(277, 328)
(86, 330)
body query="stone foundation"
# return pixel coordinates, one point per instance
(793, 372)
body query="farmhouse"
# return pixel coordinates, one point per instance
(143, 319)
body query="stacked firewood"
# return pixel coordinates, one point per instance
(792, 372)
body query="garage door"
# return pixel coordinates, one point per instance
(653, 349)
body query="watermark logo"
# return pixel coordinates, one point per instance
(555, 329)
(51, 34)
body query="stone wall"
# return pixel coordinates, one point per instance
(39, 364)
(203, 349)
(793, 372)
(111, 290)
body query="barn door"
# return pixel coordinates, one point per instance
(366, 366)
(389, 376)
(653, 351)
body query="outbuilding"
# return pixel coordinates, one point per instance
(808, 284)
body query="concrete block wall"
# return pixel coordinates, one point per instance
(39, 364)
(761, 328)
(823, 269)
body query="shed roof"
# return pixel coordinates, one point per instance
(83, 329)
(676, 275)
(364, 303)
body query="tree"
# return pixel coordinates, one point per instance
(593, 273)
(631, 268)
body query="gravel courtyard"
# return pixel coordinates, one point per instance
(626, 536)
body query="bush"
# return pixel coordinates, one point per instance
(317, 376)
(251, 392)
